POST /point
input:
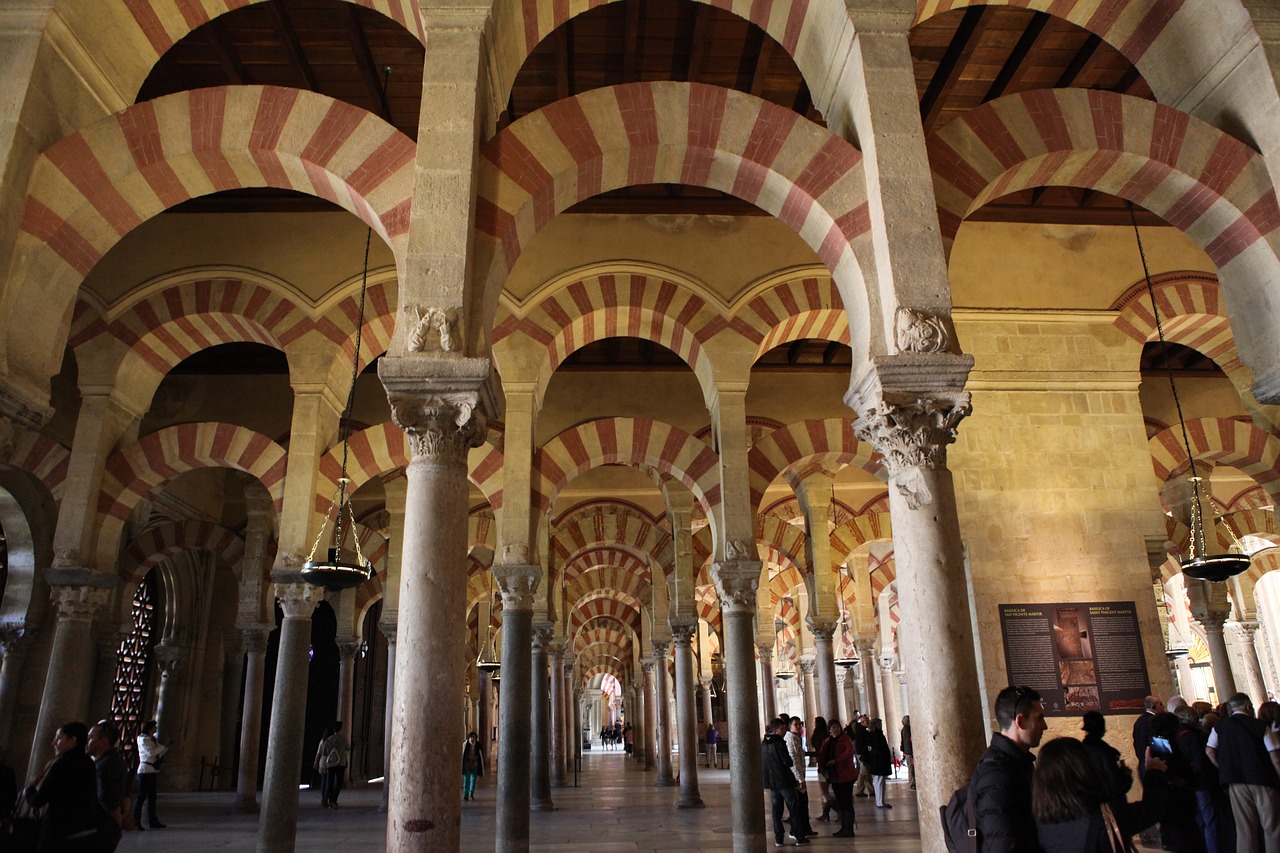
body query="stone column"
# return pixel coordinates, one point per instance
(662, 715)
(555, 652)
(824, 664)
(255, 649)
(1223, 678)
(911, 430)
(66, 687)
(640, 744)
(388, 630)
(540, 712)
(768, 688)
(168, 659)
(15, 643)
(232, 673)
(650, 701)
(807, 690)
(278, 825)
(485, 724)
(1252, 674)
(346, 682)
(889, 691)
(686, 715)
(517, 584)
(848, 688)
(737, 578)
(707, 711)
(867, 671)
(572, 727)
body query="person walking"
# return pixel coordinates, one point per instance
(908, 750)
(857, 732)
(837, 757)
(879, 761)
(1115, 775)
(817, 738)
(1000, 788)
(779, 780)
(331, 761)
(472, 765)
(150, 752)
(794, 738)
(712, 739)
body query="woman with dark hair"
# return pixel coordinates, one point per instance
(1116, 777)
(817, 737)
(1178, 828)
(1213, 810)
(66, 793)
(1070, 807)
(837, 758)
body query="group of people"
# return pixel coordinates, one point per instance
(611, 736)
(80, 803)
(844, 759)
(1210, 780)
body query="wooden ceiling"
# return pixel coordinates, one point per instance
(962, 59)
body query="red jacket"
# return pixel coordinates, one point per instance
(838, 759)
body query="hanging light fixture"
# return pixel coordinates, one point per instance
(487, 661)
(1198, 563)
(786, 670)
(337, 570)
(844, 629)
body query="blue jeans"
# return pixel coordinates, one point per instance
(780, 796)
(1213, 816)
(469, 784)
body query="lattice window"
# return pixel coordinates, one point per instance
(128, 698)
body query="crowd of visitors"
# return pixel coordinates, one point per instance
(1210, 781)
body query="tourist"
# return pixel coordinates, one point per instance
(472, 765)
(1115, 775)
(816, 740)
(1247, 754)
(628, 740)
(1213, 810)
(150, 754)
(858, 732)
(331, 761)
(1179, 830)
(1000, 788)
(1069, 806)
(1142, 730)
(879, 761)
(110, 815)
(66, 793)
(712, 739)
(794, 738)
(908, 750)
(779, 779)
(837, 758)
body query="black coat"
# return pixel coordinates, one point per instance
(1001, 794)
(1106, 760)
(68, 794)
(776, 763)
(879, 758)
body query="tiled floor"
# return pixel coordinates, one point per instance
(614, 808)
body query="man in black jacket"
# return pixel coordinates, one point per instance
(1247, 754)
(779, 779)
(1001, 784)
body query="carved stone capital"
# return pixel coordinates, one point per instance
(661, 648)
(806, 664)
(556, 648)
(388, 630)
(912, 434)
(254, 640)
(435, 329)
(737, 582)
(168, 658)
(79, 603)
(765, 650)
(919, 331)
(822, 629)
(298, 600)
(683, 631)
(442, 427)
(647, 665)
(347, 650)
(541, 637)
(517, 584)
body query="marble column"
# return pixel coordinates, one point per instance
(682, 634)
(808, 692)
(650, 701)
(1223, 678)
(15, 643)
(255, 649)
(485, 725)
(737, 579)
(640, 743)
(346, 682)
(232, 674)
(707, 710)
(555, 653)
(169, 662)
(889, 691)
(869, 673)
(278, 825)
(1252, 669)
(848, 690)
(768, 689)
(572, 726)
(824, 665)
(911, 428)
(388, 630)
(540, 712)
(66, 687)
(662, 715)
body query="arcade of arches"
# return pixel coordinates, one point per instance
(701, 341)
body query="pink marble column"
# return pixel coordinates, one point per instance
(255, 650)
(686, 715)
(662, 716)
(650, 715)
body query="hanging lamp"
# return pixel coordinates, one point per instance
(844, 629)
(1198, 563)
(487, 661)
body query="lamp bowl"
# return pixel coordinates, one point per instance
(1215, 567)
(334, 573)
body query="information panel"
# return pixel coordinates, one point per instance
(1079, 656)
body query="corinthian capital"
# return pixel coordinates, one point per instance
(517, 584)
(297, 600)
(168, 658)
(441, 427)
(912, 434)
(683, 631)
(736, 583)
(79, 603)
(823, 629)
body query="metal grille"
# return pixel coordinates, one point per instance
(128, 697)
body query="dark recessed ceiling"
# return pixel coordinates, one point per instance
(1181, 359)
(638, 354)
(962, 59)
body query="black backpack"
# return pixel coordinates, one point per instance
(960, 823)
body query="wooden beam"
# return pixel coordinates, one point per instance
(216, 35)
(1078, 62)
(1015, 67)
(951, 67)
(804, 101)
(1128, 81)
(564, 60)
(631, 42)
(699, 38)
(365, 62)
(294, 46)
(761, 72)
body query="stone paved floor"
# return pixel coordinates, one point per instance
(614, 808)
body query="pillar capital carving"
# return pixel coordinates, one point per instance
(683, 631)
(441, 427)
(518, 584)
(347, 650)
(822, 629)
(661, 648)
(168, 658)
(541, 636)
(298, 600)
(647, 665)
(1245, 630)
(79, 603)
(254, 640)
(388, 630)
(765, 649)
(842, 674)
(737, 581)
(706, 681)
(556, 648)
(912, 434)
(806, 664)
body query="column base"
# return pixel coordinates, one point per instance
(547, 806)
(664, 782)
(246, 808)
(695, 803)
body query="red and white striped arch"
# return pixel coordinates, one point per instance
(42, 458)
(785, 542)
(628, 441)
(829, 441)
(157, 543)
(637, 304)
(602, 631)
(857, 531)
(90, 189)
(784, 582)
(1197, 178)
(681, 133)
(1192, 314)
(884, 571)
(607, 581)
(796, 306)
(608, 568)
(134, 472)
(601, 605)
(598, 525)
(1221, 441)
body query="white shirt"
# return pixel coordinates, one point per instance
(1269, 739)
(149, 752)
(796, 751)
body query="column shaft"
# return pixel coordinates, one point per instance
(1252, 669)
(518, 584)
(232, 675)
(662, 716)
(556, 757)
(539, 717)
(16, 643)
(707, 711)
(389, 714)
(1223, 678)
(255, 646)
(768, 690)
(346, 683)
(824, 665)
(686, 717)
(650, 718)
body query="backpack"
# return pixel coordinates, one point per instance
(960, 823)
